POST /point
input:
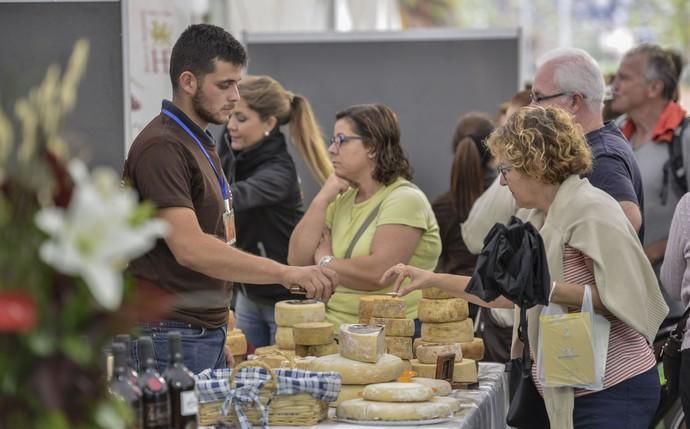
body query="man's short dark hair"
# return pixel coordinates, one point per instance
(199, 46)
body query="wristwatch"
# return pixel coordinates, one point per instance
(325, 260)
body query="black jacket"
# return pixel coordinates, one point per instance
(267, 200)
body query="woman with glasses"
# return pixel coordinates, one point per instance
(266, 194)
(541, 155)
(368, 215)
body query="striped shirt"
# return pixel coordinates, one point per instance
(628, 353)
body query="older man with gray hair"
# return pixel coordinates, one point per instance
(570, 79)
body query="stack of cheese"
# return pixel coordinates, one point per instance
(366, 307)
(235, 341)
(314, 339)
(361, 360)
(398, 330)
(445, 326)
(291, 312)
(394, 402)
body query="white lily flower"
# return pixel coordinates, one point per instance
(93, 238)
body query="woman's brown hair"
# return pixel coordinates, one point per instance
(470, 161)
(268, 98)
(379, 128)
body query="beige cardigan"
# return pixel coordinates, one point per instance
(589, 220)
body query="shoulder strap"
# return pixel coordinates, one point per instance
(675, 166)
(370, 218)
(680, 327)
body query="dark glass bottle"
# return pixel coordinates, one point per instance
(154, 390)
(121, 387)
(183, 400)
(127, 341)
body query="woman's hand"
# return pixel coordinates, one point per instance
(419, 279)
(333, 187)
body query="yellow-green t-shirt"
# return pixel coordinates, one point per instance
(402, 205)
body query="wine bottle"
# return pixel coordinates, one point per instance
(127, 341)
(154, 390)
(183, 399)
(121, 386)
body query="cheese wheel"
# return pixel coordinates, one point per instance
(231, 320)
(363, 410)
(347, 392)
(284, 338)
(304, 362)
(237, 342)
(312, 333)
(274, 361)
(393, 308)
(317, 350)
(366, 306)
(473, 349)
(387, 368)
(426, 370)
(399, 346)
(465, 371)
(440, 387)
(448, 332)
(435, 293)
(442, 310)
(395, 327)
(428, 353)
(453, 403)
(365, 343)
(294, 311)
(397, 392)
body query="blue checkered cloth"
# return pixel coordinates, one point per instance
(214, 385)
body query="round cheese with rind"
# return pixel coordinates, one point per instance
(312, 333)
(473, 349)
(442, 310)
(428, 353)
(387, 368)
(237, 342)
(400, 347)
(347, 392)
(448, 332)
(426, 370)
(363, 410)
(465, 371)
(397, 392)
(440, 387)
(284, 339)
(317, 350)
(453, 403)
(393, 308)
(394, 327)
(435, 293)
(294, 311)
(366, 306)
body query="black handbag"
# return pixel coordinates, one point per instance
(670, 356)
(527, 409)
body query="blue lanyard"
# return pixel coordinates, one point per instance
(221, 181)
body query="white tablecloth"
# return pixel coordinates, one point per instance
(484, 408)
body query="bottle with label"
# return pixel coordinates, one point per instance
(183, 400)
(154, 390)
(121, 386)
(126, 340)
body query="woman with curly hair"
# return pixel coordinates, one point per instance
(368, 215)
(541, 156)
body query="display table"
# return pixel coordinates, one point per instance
(484, 408)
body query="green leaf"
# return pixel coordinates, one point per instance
(78, 349)
(53, 420)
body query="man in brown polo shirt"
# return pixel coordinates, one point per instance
(174, 164)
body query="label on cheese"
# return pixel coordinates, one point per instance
(364, 343)
(448, 332)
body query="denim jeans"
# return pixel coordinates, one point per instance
(627, 405)
(202, 348)
(256, 319)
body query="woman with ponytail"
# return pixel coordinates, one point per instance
(267, 198)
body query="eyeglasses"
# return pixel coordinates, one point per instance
(536, 99)
(339, 139)
(503, 170)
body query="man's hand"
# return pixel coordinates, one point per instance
(318, 282)
(419, 279)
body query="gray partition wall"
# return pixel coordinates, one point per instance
(36, 34)
(429, 78)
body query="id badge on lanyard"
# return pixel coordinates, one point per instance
(229, 221)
